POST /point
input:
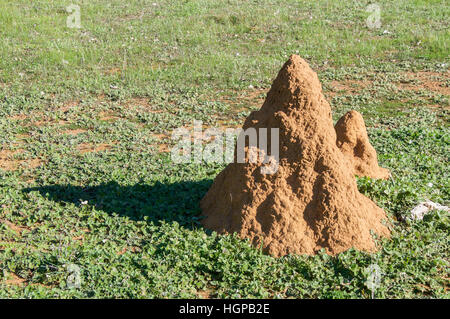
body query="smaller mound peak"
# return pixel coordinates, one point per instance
(353, 141)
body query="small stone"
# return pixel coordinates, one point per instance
(419, 212)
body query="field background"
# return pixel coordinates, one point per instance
(86, 116)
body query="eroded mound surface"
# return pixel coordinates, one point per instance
(312, 201)
(353, 141)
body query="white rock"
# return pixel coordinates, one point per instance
(418, 212)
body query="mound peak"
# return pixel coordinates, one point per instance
(311, 202)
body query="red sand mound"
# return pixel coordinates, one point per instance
(353, 141)
(312, 200)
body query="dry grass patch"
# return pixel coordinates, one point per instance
(13, 280)
(142, 104)
(22, 137)
(431, 81)
(8, 161)
(246, 99)
(48, 121)
(204, 294)
(347, 87)
(108, 116)
(74, 132)
(68, 105)
(16, 228)
(18, 117)
(89, 148)
(162, 147)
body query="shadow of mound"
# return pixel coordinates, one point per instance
(159, 202)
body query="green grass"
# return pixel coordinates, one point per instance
(129, 217)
